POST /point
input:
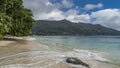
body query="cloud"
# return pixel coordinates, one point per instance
(84, 18)
(46, 10)
(53, 15)
(40, 7)
(92, 6)
(107, 17)
(67, 4)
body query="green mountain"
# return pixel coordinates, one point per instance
(65, 27)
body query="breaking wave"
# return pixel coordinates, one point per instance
(30, 38)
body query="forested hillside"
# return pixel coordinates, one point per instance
(64, 27)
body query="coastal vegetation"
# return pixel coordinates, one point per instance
(65, 27)
(15, 19)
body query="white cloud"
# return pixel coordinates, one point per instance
(92, 6)
(84, 18)
(45, 10)
(53, 15)
(67, 4)
(107, 17)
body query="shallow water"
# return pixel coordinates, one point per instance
(107, 47)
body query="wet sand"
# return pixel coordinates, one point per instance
(27, 54)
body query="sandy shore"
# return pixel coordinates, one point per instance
(5, 43)
(27, 54)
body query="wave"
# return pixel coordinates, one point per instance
(30, 38)
(85, 55)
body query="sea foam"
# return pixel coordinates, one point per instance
(84, 54)
(30, 38)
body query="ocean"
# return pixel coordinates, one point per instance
(104, 48)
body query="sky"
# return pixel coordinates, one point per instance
(104, 12)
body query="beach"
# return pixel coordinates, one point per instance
(29, 54)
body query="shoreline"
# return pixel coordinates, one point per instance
(27, 52)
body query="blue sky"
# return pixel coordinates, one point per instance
(104, 12)
(106, 3)
(81, 3)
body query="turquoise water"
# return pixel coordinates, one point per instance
(107, 46)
